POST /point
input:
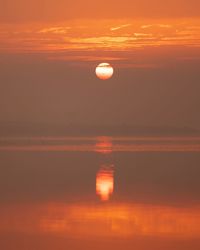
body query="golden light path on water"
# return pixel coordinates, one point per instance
(85, 220)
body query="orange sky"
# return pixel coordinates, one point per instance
(114, 33)
(153, 46)
(22, 10)
(113, 40)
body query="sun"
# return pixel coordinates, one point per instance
(104, 71)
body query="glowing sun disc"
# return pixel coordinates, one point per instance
(104, 71)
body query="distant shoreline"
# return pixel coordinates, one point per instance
(9, 129)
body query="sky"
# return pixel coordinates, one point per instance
(52, 10)
(49, 51)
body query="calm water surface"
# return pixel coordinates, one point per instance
(100, 193)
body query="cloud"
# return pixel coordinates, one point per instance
(120, 27)
(84, 35)
(146, 26)
(55, 30)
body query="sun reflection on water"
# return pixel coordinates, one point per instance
(105, 182)
(105, 176)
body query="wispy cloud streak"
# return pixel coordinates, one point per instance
(90, 37)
